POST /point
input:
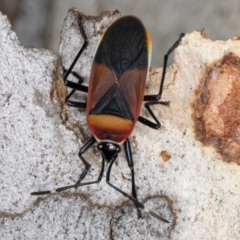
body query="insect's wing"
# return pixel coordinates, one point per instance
(120, 70)
(132, 85)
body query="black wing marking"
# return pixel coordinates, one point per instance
(113, 103)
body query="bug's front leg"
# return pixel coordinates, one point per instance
(76, 86)
(154, 99)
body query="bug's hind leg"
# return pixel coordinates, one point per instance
(156, 124)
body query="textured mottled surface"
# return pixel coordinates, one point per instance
(195, 189)
(217, 114)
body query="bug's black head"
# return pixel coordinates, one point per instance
(109, 150)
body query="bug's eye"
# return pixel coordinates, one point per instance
(99, 146)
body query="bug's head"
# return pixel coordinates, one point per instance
(109, 150)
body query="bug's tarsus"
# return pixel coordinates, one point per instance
(76, 104)
(154, 99)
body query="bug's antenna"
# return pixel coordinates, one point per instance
(140, 205)
(166, 56)
(137, 203)
(155, 215)
(53, 190)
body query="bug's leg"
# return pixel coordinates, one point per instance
(79, 183)
(128, 152)
(158, 96)
(70, 84)
(156, 124)
(154, 99)
(75, 74)
(80, 81)
(133, 199)
(82, 176)
(85, 147)
(83, 89)
(76, 86)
